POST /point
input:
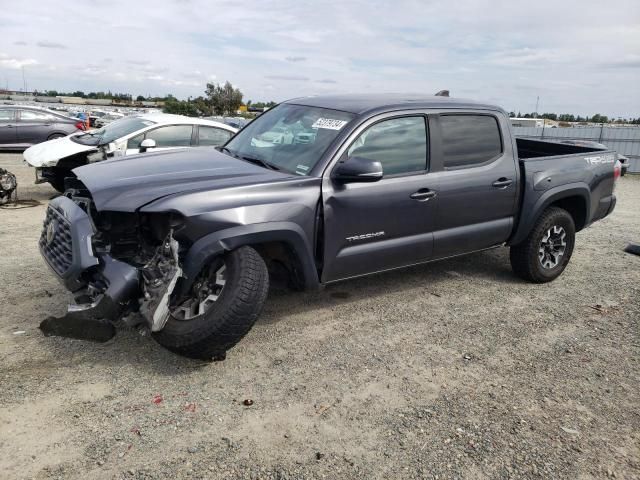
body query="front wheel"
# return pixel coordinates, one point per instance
(224, 303)
(546, 251)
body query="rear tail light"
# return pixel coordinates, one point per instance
(81, 126)
(617, 170)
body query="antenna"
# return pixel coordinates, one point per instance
(442, 93)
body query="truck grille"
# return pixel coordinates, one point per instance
(55, 241)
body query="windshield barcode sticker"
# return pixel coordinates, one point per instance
(329, 123)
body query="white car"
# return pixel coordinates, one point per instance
(54, 160)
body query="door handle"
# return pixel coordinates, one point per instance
(423, 195)
(502, 182)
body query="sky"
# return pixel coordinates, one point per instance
(580, 57)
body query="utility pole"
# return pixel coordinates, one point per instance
(24, 82)
(537, 101)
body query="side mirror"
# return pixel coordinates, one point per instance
(357, 169)
(146, 144)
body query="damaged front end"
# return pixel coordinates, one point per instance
(121, 267)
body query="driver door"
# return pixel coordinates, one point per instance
(370, 227)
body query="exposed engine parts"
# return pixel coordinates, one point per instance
(159, 278)
(8, 185)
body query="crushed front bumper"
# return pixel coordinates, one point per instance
(102, 285)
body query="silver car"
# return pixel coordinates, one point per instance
(22, 126)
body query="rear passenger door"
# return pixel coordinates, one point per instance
(8, 131)
(478, 182)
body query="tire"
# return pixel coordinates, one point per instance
(208, 336)
(53, 136)
(525, 257)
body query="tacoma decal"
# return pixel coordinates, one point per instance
(365, 236)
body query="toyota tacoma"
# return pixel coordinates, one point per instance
(320, 189)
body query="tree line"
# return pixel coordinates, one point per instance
(217, 100)
(569, 117)
(126, 97)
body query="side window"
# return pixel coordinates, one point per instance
(134, 142)
(399, 144)
(469, 140)
(212, 136)
(32, 116)
(171, 136)
(7, 115)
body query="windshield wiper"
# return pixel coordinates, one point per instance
(262, 163)
(229, 151)
(255, 161)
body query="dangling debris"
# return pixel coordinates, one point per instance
(8, 185)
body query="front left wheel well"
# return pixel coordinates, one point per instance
(282, 262)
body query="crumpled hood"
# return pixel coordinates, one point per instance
(128, 183)
(49, 153)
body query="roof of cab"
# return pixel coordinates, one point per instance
(361, 103)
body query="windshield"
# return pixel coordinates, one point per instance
(112, 131)
(289, 137)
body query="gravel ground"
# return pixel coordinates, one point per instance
(451, 370)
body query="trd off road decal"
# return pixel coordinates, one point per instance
(600, 159)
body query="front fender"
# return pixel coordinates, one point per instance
(209, 246)
(532, 208)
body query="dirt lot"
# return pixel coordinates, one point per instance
(451, 370)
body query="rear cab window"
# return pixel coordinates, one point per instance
(469, 140)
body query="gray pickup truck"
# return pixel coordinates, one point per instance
(181, 243)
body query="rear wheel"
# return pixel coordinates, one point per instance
(546, 251)
(53, 136)
(224, 303)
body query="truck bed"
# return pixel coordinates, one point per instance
(528, 148)
(582, 176)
